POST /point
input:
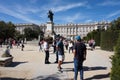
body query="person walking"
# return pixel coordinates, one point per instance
(56, 50)
(60, 49)
(79, 51)
(46, 49)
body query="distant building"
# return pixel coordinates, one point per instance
(69, 30)
(20, 27)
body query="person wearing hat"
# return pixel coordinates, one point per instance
(79, 51)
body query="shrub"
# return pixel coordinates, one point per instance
(115, 73)
(108, 40)
(94, 35)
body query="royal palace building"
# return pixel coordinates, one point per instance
(68, 30)
(20, 27)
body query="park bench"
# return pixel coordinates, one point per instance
(5, 61)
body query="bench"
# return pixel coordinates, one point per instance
(5, 61)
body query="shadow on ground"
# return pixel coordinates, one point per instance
(50, 77)
(66, 62)
(14, 64)
(94, 68)
(86, 68)
(99, 76)
(7, 78)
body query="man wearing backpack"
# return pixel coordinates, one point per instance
(79, 51)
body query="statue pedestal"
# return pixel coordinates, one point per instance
(49, 30)
(49, 33)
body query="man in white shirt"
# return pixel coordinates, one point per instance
(46, 49)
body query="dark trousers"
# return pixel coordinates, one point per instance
(70, 48)
(78, 66)
(56, 56)
(46, 56)
(66, 46)
(54, 49)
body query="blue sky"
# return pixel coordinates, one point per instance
(65, 11)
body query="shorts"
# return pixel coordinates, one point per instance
(61, 57)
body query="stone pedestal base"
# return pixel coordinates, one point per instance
(49, 29)
(5, 61)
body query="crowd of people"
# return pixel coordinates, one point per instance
(77, 47)
(9, 45)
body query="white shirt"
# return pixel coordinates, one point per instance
(45, 46)
(70, 45)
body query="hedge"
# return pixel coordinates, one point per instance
(108, 40)
(115, 73)
(94, 35)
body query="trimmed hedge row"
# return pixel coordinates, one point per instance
(109, 39)
(97, 37)
(115, 73)
(94, 35)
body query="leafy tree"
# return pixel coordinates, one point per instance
(7, 30)
(10, 30)
(32, 33)
(28, 33)
(115, 25)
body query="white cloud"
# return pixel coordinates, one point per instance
(110, 3)
(69, 6)
(25, 10)
(16, 14)
(73, 18)
(114, 14)
(88, 21)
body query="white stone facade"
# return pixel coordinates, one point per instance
(71, 30)
(21, 27)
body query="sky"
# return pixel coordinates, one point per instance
(65, 11)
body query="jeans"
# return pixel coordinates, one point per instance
(78, 66)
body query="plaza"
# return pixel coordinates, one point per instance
(29, 65)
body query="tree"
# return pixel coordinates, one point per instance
(7, 30)
(115, 25)
(32, 33)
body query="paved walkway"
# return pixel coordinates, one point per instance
(29, 64)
